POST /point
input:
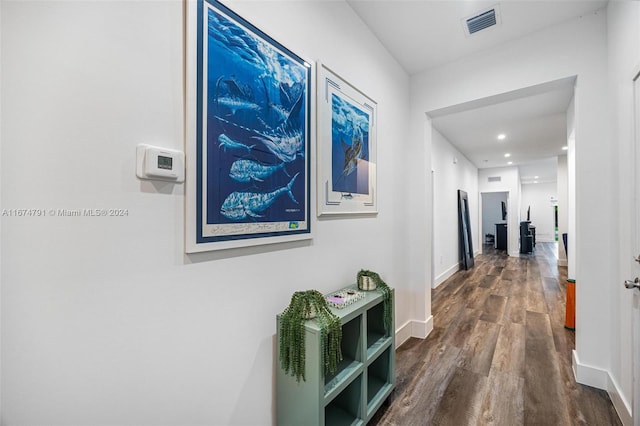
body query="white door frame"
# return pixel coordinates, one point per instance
(635, 223)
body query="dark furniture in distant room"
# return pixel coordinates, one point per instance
(526, 238)
(490, 239)
(501, 236)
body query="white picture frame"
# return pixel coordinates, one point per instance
(346, 147)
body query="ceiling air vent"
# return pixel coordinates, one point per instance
(495, 178)
(483, 20)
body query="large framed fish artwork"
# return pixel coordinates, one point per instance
(248, 134)
(346, 147)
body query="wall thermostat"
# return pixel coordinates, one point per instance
(157, 163)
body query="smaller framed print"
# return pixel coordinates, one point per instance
(346, 147)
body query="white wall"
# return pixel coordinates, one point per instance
(624, 64)
(573, 48)
(1, 233)
(449, 177)
(509, 183)
(538, 196)
(492, 211)
(105, 320)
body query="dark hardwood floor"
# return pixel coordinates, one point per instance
(498, 354)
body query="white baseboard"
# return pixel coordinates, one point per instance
(421, 329)
(622, 406)
(403, 333)
(589, 375)
(446, 274)
(413, 328)
(601, 379)
(545, 240)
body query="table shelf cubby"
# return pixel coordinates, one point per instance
(364, 378)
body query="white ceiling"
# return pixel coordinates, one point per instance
(421, 34)
(414, 30)
(532, 120)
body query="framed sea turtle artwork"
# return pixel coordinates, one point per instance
(248, 134)
(346, 147)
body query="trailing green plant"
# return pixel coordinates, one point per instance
(387, 295)
(303, 306)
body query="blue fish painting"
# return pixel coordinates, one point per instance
(349, 147)
(257, 125)
(352, 153)
(285, 147)
(242, 205)
(247, 170)
(235, 104)
(225, 142)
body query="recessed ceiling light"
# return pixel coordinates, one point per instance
(510, 163)
(501, 136)
(535, 181)
(564, 148)
(535, 177)
(507, 155)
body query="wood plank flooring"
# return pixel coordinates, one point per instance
(498, 354)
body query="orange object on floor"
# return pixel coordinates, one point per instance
(570, 312)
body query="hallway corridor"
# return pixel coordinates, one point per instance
(498, 354)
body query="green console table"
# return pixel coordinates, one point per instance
(364, 379)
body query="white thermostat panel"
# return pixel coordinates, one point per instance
(157, 163)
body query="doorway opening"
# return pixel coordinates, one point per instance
(494, 213)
